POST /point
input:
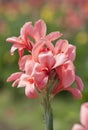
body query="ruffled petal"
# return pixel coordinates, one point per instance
(60, 59)
(40, 46)
(75, 92)
(39, 30)
(46, 59)
(30, 91)
(17, 44)
(24, 80)
(13, 40)
(71, 52)
(16, 82)
(40, 77)
(26, 30)
(13, 48)
(53, 36)
(29, 66)
(23, 61)
(14, 76)
(40, 80)
(66, 73)
(61, 46)
(79, 82)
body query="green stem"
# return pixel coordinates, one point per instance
(48, 115)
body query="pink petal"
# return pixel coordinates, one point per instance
(61, 46)
(28, 82)
(29, 66)
(79, 82)
(26, 30)
(23, 61)
(14, 76)
(66, 73)
(40, 76)
(37, 48)
(39, 30)
(15, 83)
(58, 88)
(71, 52)
(17, 44)
(13, 40)
(50, 46)
(76, 92)
(13, 48)
(68, 78)
(24, 80)
(53, 36)
(21, 52)
(30, 91)
(84, 115)
(47, 59)
(60, 59)
(78, 127)
(36, 69)
(40, 80)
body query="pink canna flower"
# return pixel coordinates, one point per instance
(67, 77)
(48, 68)
(74, 18)
(83, 118)
(41, 72)
(15, 77)
(66, 72)
(22, 42)
(22, 79)
(30, 35)
(47, 63)
(28, 82)
(36, 73)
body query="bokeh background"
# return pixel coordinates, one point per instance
(70, 17)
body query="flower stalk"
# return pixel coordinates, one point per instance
(48, 114)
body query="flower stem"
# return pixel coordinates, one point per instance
(48, 115)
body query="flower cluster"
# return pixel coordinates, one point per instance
(83, 118)
(47, 68)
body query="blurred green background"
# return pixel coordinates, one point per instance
(70, 17)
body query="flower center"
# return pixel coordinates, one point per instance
(31, 80)
(46, 70)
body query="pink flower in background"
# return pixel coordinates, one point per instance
(37, 3)
(48, 68)
(83, 118)
(73, 19)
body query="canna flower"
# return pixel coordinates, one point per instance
(74, 18)
(22, 42)
(47, 63)
(67, 77)
(48, 68)
(36, 74)
(83, 118)
(22, 79)
(30, 35)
